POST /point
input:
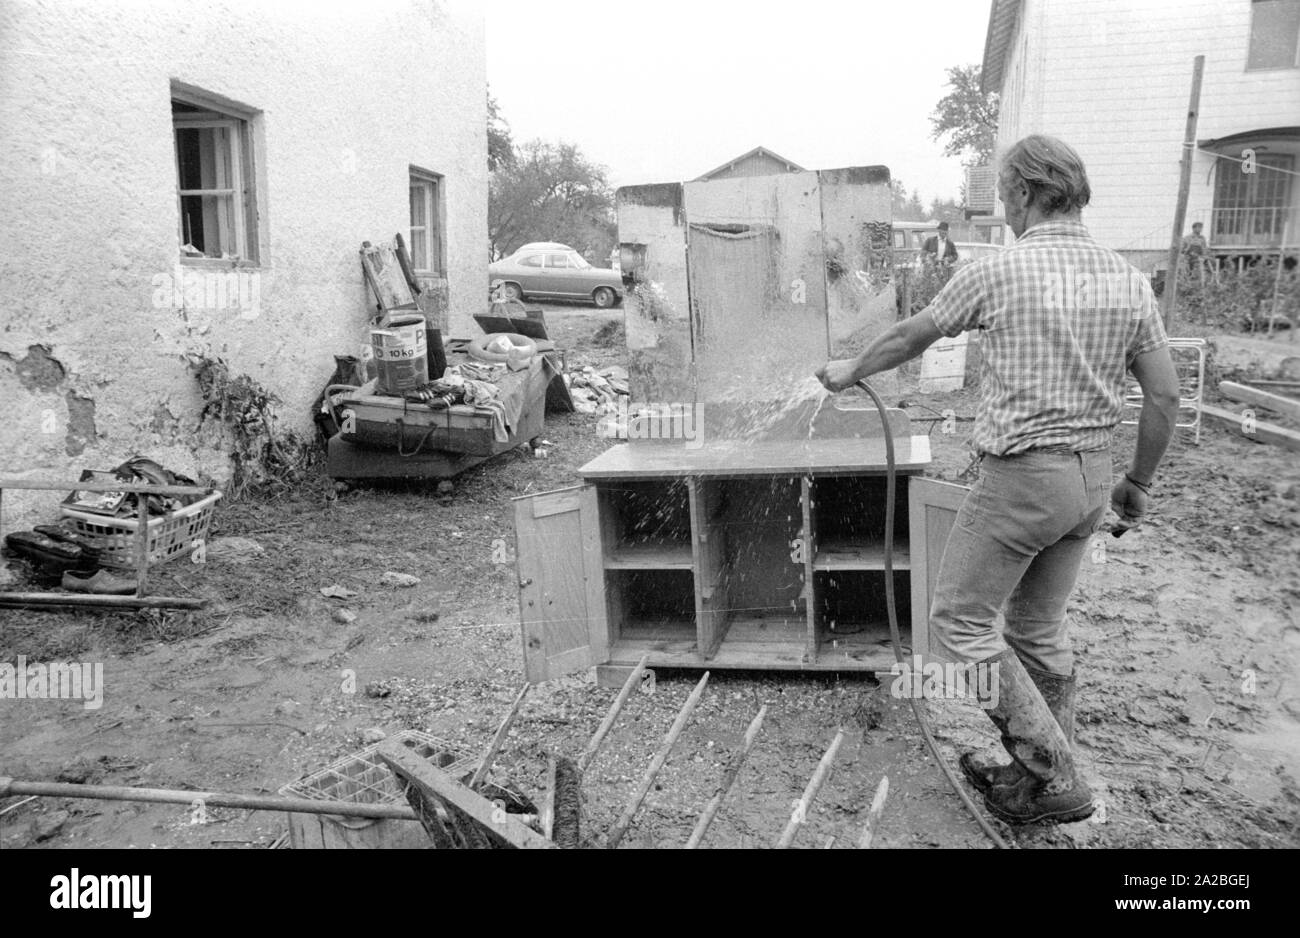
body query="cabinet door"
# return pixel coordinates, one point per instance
(931, 511)
(561, 582)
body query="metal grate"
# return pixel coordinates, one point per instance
(363, 778)
(1189, 362)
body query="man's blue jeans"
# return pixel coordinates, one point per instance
(1016, 548)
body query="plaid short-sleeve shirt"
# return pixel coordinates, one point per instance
(1062, 320)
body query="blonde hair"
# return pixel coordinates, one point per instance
(1053, 172)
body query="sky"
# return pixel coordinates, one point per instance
(668, 90)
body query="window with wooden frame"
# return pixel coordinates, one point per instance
(214, 182)
(1252, 208)
(426, 223)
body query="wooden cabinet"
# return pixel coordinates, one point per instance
(704, 559)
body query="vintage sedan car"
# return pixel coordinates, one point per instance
(555, 274)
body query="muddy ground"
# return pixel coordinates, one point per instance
(1188, 633)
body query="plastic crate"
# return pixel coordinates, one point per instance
(364, 778)
(169, 535)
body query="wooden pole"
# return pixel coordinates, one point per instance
(728, 780)
(480, 774)
(210, 799)
(95, 601)
(618, 830)
(615, 708)
(141, 545)
(1169, 300)
(54, 484)
(873, 816)
(800, 813)
(1277, 283)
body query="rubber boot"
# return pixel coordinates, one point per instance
(1058, 692)
(1053, 791)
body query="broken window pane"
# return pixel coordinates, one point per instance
(208, 224)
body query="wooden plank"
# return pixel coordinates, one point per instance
(706, 549)
(734, 459)
(142, 549)
(1254, 429)
(841, 555)
(437, 785)
(856, 208)
(553, 585)
(1244, 393)
(59, 484)
(873, 816)
(599, 633)
(756, 656)
(212, 799)
(728, 781)
(808, 535)
(652, 771)
(804, 804)
(74, 600)
(651, 557)
(757, 284)
(1169, 301)
(485, 764)
(932, 508)
(593, 745)
(657, 308)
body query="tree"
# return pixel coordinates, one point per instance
(967, 116)
(907, 208)
(945, 210)
(501, 148)
(551, 192)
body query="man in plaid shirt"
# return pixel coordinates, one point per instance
(1063, 320)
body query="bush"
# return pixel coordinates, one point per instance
(924, 284)
(1240, 301)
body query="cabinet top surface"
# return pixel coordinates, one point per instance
(740, 458)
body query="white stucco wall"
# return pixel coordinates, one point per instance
(349, 97)
(1112, 78)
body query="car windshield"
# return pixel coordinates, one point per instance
(578, 261)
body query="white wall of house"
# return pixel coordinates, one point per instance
(1112, 78)
(347, 97)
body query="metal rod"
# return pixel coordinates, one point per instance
(490, 756)
(210, 799)
(728, 782)
(873, 816)
(618, 830)
(615, 708)
(800, 812)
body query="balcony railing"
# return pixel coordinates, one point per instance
(1254, 227)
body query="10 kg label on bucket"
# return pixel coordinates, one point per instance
(401, 354)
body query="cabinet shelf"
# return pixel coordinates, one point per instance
(650, 556)
(768, 571)
(850, 555)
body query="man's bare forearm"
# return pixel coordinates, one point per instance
(889, 350)
(1155, 430)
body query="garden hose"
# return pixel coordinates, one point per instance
(895, 639)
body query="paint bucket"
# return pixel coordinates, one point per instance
(401, 352)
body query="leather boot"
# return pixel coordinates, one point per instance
(1052, 791)
(1058, 692)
